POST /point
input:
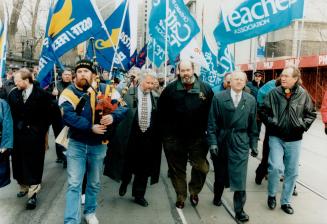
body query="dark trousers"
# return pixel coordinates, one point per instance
(60, 152)
(239, 201)
(139, 183)
(239, 197)
(84, 183)
(262, 169)
(178, 152)
(138, 161)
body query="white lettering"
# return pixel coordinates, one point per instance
(82, 26)
(61, 40)
(268, 65)
(245, 15)
(46, 42)
(292, 62)
(42, 63)
(234, 17)
(322, 59)
(254, 11)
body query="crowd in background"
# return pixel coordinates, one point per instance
(124, 124)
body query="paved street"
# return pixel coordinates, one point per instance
(310, 205)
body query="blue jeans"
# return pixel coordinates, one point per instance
(283, 160)
(81, 157)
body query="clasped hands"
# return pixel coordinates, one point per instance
(101, 128)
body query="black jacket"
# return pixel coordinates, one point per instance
(254, 87)
(184, 112)
(288, 118)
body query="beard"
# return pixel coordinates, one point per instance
(188, 79)
(82, 83)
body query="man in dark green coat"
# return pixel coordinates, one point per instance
(232, 131)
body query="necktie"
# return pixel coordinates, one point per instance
(24, 96)
(236, 100)
(143, 122)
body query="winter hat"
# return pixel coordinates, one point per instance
(84, 63)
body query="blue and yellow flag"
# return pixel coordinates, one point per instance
(3, 43)
(104, 48)
(70, 22)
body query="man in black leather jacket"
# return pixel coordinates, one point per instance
(288, 112)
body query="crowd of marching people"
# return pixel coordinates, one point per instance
(120, 127)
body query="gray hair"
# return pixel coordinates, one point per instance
(134, 69)
(147, 72)
(235, 73)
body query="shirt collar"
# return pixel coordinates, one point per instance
(28, 90)
(233, 93)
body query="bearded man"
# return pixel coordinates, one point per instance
(183, 113)
(86, 148)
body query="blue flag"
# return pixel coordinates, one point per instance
(3, 43)
(261, 46)
(156, 53)
(255, 17)
(225, 62)
(211, 75)
(182, 27)
(70, 22)
(132, 61)
(103, 46)
(141, 57)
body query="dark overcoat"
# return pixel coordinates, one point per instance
(121, 146)
(234, 131)
(31, 123)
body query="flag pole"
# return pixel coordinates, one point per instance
(105, 28)
(166, 41)
(4, 44)
(55, 77)
(120, 28)
(301, 34)
(153, 45)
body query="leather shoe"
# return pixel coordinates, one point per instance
(122, 189)
(295, 192)
(194, 199)
(141, 201)
(64, 164)
(217, 201)
(258, 179)
(21, 194)
(242, 217)
(31, 203)
(59, 160)
(271, 202)
(180, 204)
(287, 208)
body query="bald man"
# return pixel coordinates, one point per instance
(183, 112)
(232, 132)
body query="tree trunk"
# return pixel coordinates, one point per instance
(34, 20)
(12, 29)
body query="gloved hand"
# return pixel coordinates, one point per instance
(214, 150)
(2, 150)
(254, 152)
